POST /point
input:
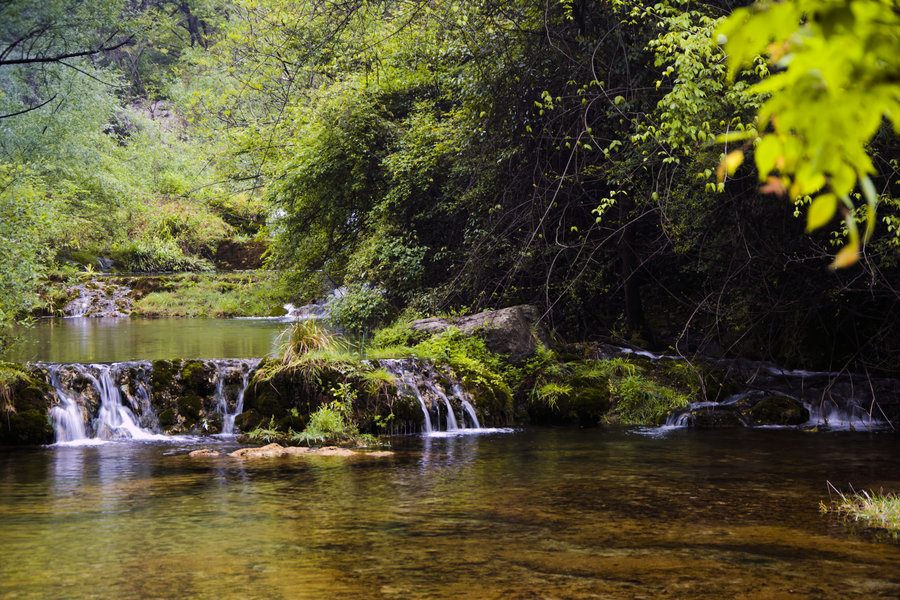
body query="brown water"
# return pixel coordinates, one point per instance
(573, 514)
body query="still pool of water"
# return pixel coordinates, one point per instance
(94, 340)
(573, 514)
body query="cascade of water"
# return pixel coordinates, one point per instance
(114, 419)
(405, 378)
(435, 388)
(67, 418)
(228, 418)
(470, 411)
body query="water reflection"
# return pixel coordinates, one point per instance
(90, 340)
(543, 514)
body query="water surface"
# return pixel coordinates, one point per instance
(87, 340)
(573, 514)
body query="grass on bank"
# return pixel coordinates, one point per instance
(878, 510)
(250, 294)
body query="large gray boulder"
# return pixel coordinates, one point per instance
(514, 332)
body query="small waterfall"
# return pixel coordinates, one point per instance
(470, 411)
(428, 386)
(114, 419)
(99, 299)
(67, 417)
(224, 370)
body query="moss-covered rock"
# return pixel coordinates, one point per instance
(719, 417)
(779, 410)
(189, 407)
(167, 418)
(196, 378)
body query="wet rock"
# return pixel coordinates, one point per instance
(514, 332)
(720, 417)
(779, 410)
(99, 298)
(269, 451)
(204, 453)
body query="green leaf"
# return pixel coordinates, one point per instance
(821, 211)
(766, 155)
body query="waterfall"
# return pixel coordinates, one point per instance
(114, 401)
(225, 369)
(114, 420)
(67, 417)
(429, 387)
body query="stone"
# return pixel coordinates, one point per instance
(269, 451)
(779, 410)
(514, 332)
(204, 453)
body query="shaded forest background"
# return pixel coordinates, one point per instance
(434, 157)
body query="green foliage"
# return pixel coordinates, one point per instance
(26, 227)
(836, 63)
(468, 360)
(304, 338)
(361, 308)
(209, 295)
(640, 400)
(268, 433)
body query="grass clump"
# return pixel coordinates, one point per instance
(639, 400)
(878, 510)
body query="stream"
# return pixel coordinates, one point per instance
(601, 513)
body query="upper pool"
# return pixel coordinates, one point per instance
(93, 340)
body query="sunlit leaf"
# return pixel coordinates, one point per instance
(821, 211)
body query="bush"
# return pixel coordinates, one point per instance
(362, 308)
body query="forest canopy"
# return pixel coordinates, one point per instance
(446, 156)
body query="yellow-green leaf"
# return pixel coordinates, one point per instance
(766, 154)
(821, 211)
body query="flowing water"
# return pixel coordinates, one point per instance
(96, 340)
(601, 513)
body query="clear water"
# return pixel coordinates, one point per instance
(536, 514)
(92, 340)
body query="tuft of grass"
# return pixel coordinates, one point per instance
(304, 337)
(640, 400)
(873, 509)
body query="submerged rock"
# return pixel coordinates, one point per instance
(205, 453)
(276, 450)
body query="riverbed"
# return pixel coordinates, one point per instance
(603, 513)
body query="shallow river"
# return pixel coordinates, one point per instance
(602, 513)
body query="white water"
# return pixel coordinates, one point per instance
(221, 397)
(426, 384)
(67, 417)
(114, 420)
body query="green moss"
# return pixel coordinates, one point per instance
(162, 376)
(195, 378)
(189, 407)
(26, 427)
(716, 418)
(779, 410)
(167, 418)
